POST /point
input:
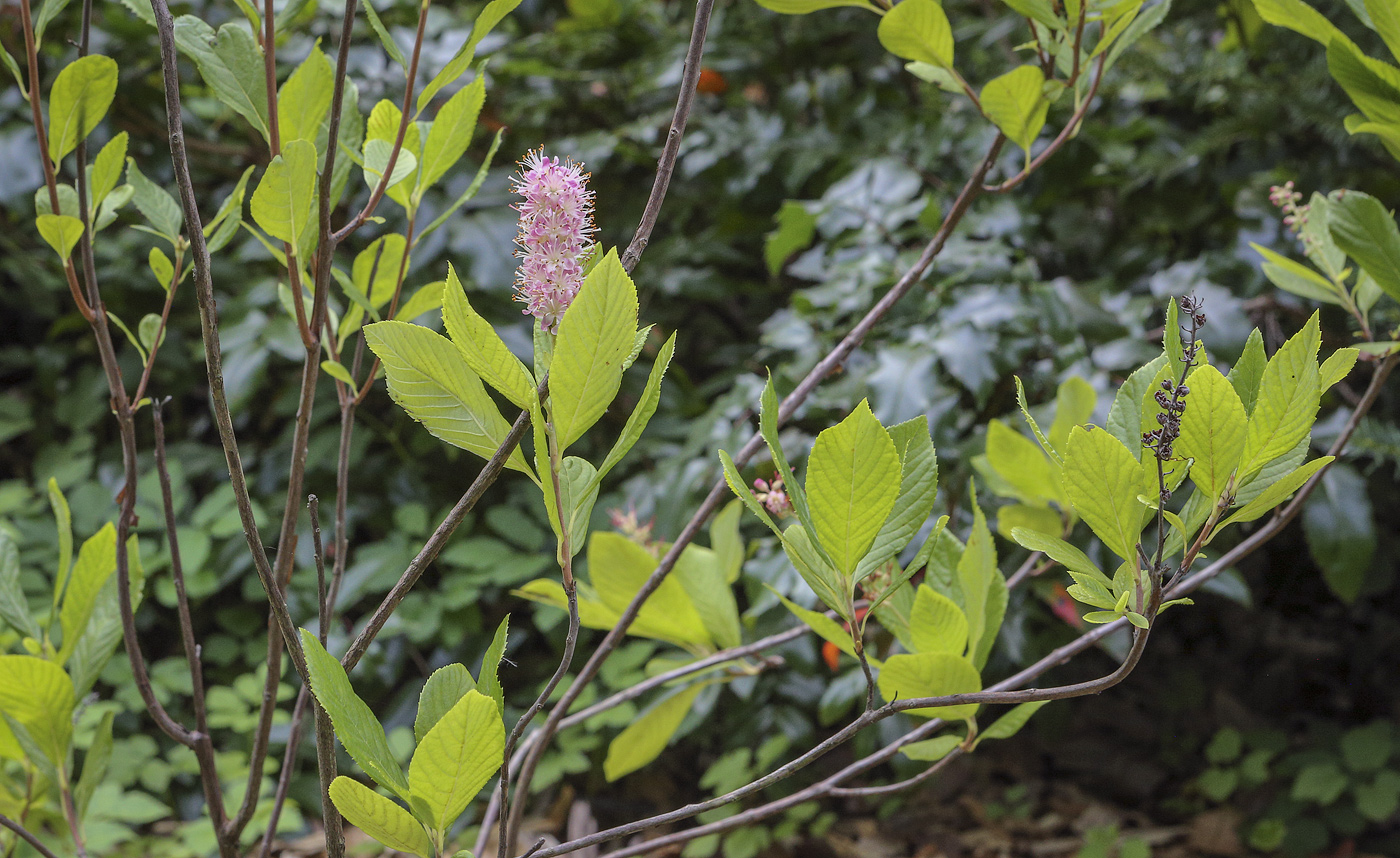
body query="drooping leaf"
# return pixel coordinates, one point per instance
(853, 479)
(379, 817)
(826, 628)
(1060, 551)
(61, 232)
(1299, 279)
(231, 63)
(1011, 723)
(1015, 103)
(457, 757)
(355, 725)
(647, 736)
(619, 567)
(701, 573)
(80, 96)
(932, 750)
(931, 674)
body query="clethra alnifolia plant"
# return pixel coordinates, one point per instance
(853, 515)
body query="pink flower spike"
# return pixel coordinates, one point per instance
(556, 229)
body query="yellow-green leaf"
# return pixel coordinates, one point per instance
(81, 94)
(931, 674)
(1288, 400)
(379, 817)
(284, 201)
(305, 100)
(1015, 103)
(39, 695)
(1212, 430)
(97, 560)
(595, 337)
(61, 232)
(853, 479)
(482, 348)
(918, 30)
(645, 738)
(1102, 479)
(451, 131)
(457, 757)
(937, 624)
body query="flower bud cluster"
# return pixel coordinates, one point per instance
(1295, 215)
(1172, 396)
(772, 495)
(556, 229)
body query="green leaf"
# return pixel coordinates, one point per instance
(1248, 371)
(1385, 19)
(1074, 406)
(1288, 400)
(1020, 462)
(1015, 103)
(726, 541)
(63, 522)
(14, 608)
(336, 370)
(1037, 10)
(578, 484)
(1011, 723)
(1319, 783)
(983, 589)
(853, 477)
(471, 190)
(595, 336)
(231, 63)
(451, 131)
(488, 680)
(107, 170)
(936, 623)
(795, 229)
(619, 567)
(482, 348)
(486, 20)
(355, 725)
(61, 232)
(1060, 551)
(1299, 279)
(285, 200)
(39, 696)
(1338, 522)
(379, 817)
(1037, 518)
(1337, 367)
(826, 628)
(94, 764)
(161, 267)
(1366, 232)
(1102, 479)
(931, 674)
(768, 414)
(918, 488)
(97, 560)
(154, 202)
(1125, 415)
(304, 103)
(647, 736)
(1379, 800)
(148, 330)
(457, 757)
(932, 750)
(79, 99)
(641, 414)
(425, 300)
(429, 379)
(1276, 493)
(104, 629)
(701, 572)
(440, 693)
(802, 7)
(1300, 18)
(1212, 430)
(1141, 26)
(918, 30)
(390, 46)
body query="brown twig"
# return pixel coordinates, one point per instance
(24, 833)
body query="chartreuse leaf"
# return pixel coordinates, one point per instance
(936, 623)
(1037, 10)
(1060, 551)
(355, 725)
(231, 63)
(1102, 479)
(38, 695)
(379, 817)
(983, 588)
(1015, 102)
(1299, 279)
(18, 743)
(1074, 406)
(726, 541)
(1288, 400)
(79, 99)
(61, 232)
(1041, 518)
(1276, 493)
(595, 336)
(918, 30)
(1011, 723)
(450, 132)
(768, 414)
(802, 7)
(486, 20)
(645, 738)
(619, 567)
(1035, 427)
(1337, 367)
(701, 572)
(99, 753)
(14, 608)
(440, 693)
(853, 480)
(482, 348)
(795, 228)
(63, 521)
(932, 750)
(1300, 18)
(1385, 19)
(488, 680)
(97, 560)
(918, 487)
(1125, 415)
(107, 170)
(1141, 26)
(104, 630)
(387, 41)
(430, 380)
(826, 628)
(1018, 461)
(154, 202)
(1366, 232)
(931, 674)
(1248, 371)
(641, 414)
(1171, 341)
(826, 582)
(426, 299)
(578, 484)
(305, 99)
(284, 201)
(457, 757)
(1212, 430)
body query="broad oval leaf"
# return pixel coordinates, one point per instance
(918, 30)
(379, 817)
(1103, 482)
(482, 348)
(440, 693)
(936, 623)
(79, 99)
(457, 757)
(853, 479)
(61, 232)
(931, 674)
(645, 738)
(1015, 102)
(37, 694)
(451, 131)
(1289, 395)
(1212, 430)
(595, 337)
(285, 200)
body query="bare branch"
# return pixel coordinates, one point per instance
(24, 833)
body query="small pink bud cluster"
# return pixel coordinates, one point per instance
(772, 496)
(631, 526)
(1295, 216)
(556, 229)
